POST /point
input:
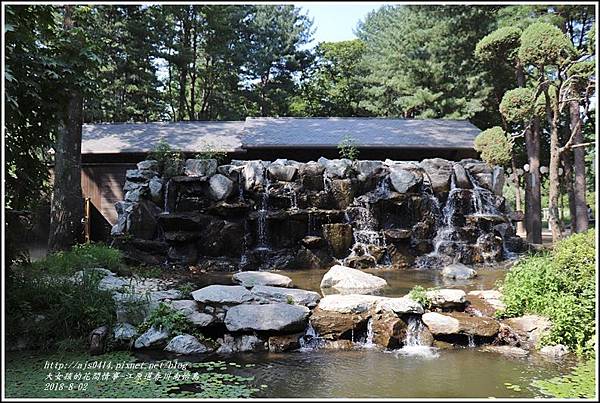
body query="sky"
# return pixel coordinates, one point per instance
(336, 21)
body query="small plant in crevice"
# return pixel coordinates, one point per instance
(170, 163)
(418, 294)
(185, 289)
(347, 148)
(210, 152)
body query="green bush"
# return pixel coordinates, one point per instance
(169, 319)
(494, 145)
(347, 148)
(560, 285)
(84, 256)
(170, 162)
(418, 294)
(48, 310)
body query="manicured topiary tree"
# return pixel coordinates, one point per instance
(494, 145)
(501, 44)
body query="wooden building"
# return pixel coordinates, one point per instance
(108, 150)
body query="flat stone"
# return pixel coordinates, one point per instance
(557, 351)
(351, 280)
(460, 323)
(186, 344)
(282, 172)
(441, 324)
(351, 303)
(399, 305)
(337, 168)
(222, 295)
(278, 317)
(287, 295)
(446, 298)
(506, 350)
(458, 271)
(191, 311)
(491, 297)
(252, 278)
(125, 332)
(312, 241)
(152, 338)
(165, 295)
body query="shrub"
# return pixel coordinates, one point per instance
(418, 294)
(560, 285)
(211, 153)
(169, 319)
(543, 44)
(503, 43)
(347, 148)
(52, 309)
(84, 256)
(494, 145)
(517, 105)
(169, 162)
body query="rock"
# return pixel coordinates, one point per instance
(112, 283)
(241, 344)
(458, 271)
(367, 168)
(157, 296)
(446, 298)
(347, 280)
(254, 175)
(252, 278)
(491, 297)
(311, 176)
(403, 180)
(155, 186)
(98, 340)
(190, 309)
(134, 195)
(200, 168)
(281, 172)
(460, 323)
(339, 238)
(350, 303)
(399, 306)
(141, 222)
(125, 333)
(498, 180)
(506, 350)
(278, 317)
(151, 165)
(220, 186)
(153, 337)
(462, 180)
(139, 175)
(288, 295)
(557, 351)
(222, 295)
(439, 172)
(135, 185)
(186, 344)
(288, 342)
(395, 235)
(338, 168)
(312, 242)
(343, 192)
(389, 330)
(530, 328)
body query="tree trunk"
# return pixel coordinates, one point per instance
(567, 180)
(67, 204)
(581, 218)
(518, 203)
(533, 216)
(552, 114)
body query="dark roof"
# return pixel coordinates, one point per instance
(115, 138)
(278, 132)
(366, 132)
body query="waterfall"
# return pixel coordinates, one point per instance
(481, 198)
(368, 343)
(311, 340)
(471, 339)
(244, 256)
(166, 205)
(413, 342)
(263, 238)
(241, 187)
(293, 196)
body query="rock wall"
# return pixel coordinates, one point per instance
(290, 215)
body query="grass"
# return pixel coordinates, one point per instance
(84, 256)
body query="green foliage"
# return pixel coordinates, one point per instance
(418, 294)
(169, 162)
(347, 148)
(543, 44)
(500, 45)
(580, 73)
(580, 383)
(494, 145)
(145, 271)
(210, 152)
(48, 309)
(591, 36)
(165, 317)
(26, 378)
(186, 289)
(560, 285)
(517, 105)
(83, 256)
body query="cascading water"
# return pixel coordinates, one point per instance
(293, 196)
(166, 205)
(368, 343)
(413, 342)
(241, 187)
(471, 340)
(311, 340)
(263, 238)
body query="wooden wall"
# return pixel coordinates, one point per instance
(103, 184)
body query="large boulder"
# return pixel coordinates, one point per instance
(282, 172)
(278, 317)
(311, 176)
(399, 306)
(338, 168)
(240, 344)
(343, 192)
(252, 278)
(153, 337)
(125, 333)
(268, 294)
(439, 172)
(367, 168)
(389, 330)
(351, 281)
(339, 238)
(338, 316)
(458, 271)
(462, 179)
(404, 180)
(149, 165)
(200, 168)
(187, 344)
(254, 175)
(220, 187)
(284, 342)
(447, 298)
(222, 295)
(460, 323)
(529, 328)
